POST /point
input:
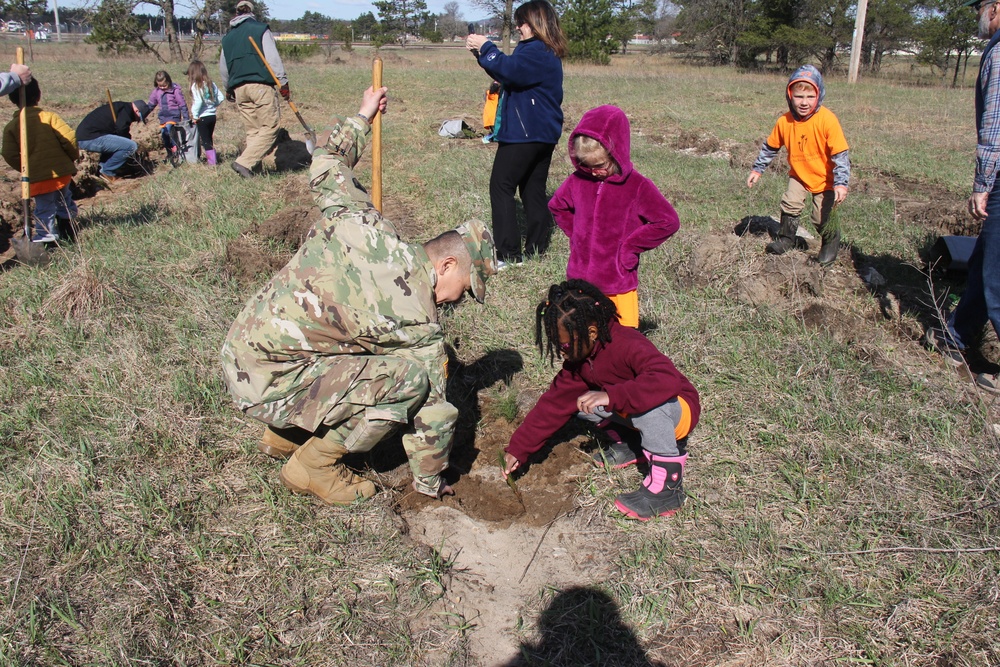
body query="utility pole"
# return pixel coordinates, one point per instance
(859, 38)
(55, 5)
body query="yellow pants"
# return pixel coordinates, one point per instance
(628, 308)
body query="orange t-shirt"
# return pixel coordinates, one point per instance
(810, 144)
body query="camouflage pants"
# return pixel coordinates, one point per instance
(382, 394)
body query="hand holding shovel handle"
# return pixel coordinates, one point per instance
(310, 135)
(377, 140)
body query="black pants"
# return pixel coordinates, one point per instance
(206, 128)
(523, 167)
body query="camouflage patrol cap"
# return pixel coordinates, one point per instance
(479, 242)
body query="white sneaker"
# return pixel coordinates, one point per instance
(48, 238)
(503, 266)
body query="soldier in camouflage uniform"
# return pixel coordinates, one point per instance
(343, 344)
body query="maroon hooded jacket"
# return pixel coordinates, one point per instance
(609, 222)
(636, 376)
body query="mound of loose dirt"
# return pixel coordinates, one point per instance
(267, 246)
(938, 210)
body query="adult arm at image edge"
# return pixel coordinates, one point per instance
(988, 147)
(9, 82)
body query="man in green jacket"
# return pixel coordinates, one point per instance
(344, 344)
(249, 84)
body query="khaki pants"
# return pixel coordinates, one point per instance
(258, 105)
(796, 197)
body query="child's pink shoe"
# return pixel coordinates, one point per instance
(661, 493)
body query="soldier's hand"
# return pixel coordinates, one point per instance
(443, 490)
(372, 102)
(230, 94)
(285, 92)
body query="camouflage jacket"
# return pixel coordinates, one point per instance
(353, 288)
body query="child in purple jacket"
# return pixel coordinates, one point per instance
(611, 373)
(609, 210)
(169, 97)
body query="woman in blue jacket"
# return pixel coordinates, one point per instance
(528, 126)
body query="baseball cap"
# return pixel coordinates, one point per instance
(479, 242)
(244, 4)
(143, 109)
(977, 4)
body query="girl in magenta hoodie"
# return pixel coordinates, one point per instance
(609, 211)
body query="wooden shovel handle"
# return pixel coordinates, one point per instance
(25, 183)
(377, 140)
(111, 105)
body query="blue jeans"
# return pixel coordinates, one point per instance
(48, 207)
(114, 151)
(981, 301)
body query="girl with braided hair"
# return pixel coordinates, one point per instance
(610, 372)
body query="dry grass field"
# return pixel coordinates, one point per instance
(843, 485)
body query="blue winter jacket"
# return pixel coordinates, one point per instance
(531, 102)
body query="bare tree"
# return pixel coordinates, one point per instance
(450, 23)
(503, 11)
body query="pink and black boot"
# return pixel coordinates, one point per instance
(661, 493)
(210, 156)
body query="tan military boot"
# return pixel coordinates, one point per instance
(315, 469)
(280, 443)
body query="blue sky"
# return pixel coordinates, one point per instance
(343, 9)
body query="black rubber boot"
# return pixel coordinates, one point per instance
(661, 493)
(831, 246)
(786, 235)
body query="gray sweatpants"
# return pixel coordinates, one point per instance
(656, 426)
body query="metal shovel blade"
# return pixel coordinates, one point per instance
(31, 254)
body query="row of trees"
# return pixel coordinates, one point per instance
(940, 33)
(745, 33)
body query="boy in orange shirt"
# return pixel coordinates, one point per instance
(818, 160)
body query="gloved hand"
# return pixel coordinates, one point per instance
(285, 92)
(230, 94)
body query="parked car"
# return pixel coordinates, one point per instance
(15, 26)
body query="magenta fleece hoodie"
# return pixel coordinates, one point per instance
(609, 222)
(636, 376)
